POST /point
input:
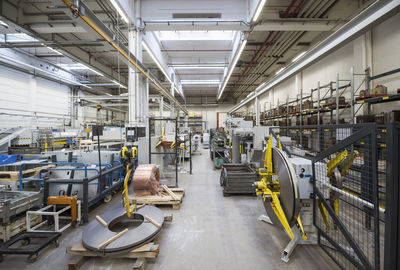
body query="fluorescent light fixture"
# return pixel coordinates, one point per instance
(108, 94)
(20, 37)
(200, 81)
(3, 23)
(119, 84)
(260, 6)
(198, 67)
(251, 93)
(156, 61)
(120, 11)
(233, 64)
(44, 71)
(80, 66)
(195, 35)
(298, 57)
(53, 50)
(260, 86)
(279, 71)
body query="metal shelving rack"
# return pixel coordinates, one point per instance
(380, 98)
(332, 90)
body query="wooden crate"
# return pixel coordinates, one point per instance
(163, 199)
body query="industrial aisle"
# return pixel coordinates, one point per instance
(208, 232)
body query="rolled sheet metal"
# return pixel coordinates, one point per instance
(140, 230)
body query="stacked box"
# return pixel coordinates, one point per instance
(307, 105)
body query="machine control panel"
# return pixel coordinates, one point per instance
(303, 171)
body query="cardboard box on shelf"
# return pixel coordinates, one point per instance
(379, 89)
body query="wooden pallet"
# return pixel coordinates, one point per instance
(163, 199)
(149, 250)
(141, 254)
(14, 175)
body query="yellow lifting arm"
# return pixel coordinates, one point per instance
(125, 154)
(129, 208)
(333, 163)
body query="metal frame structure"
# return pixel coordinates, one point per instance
(365, 233)
(392, 214)
(190, 143)
(51, 210)
(175, 153)
(334, 89)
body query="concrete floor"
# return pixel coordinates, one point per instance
(208, 232)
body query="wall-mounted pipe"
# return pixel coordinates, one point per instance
(110, 39)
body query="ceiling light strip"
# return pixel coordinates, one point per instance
(260, 7)
(232, 67)
(120, 11)
(146, 47)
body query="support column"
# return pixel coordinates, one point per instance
(32, 121)
(135, 48)
(257, 107)
(172, 112)
(145, 105)
(161, 107)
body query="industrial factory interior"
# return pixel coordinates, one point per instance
(199, 135)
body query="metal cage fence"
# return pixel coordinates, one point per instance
(350, 196)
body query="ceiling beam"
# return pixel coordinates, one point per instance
(266, 25)
(57, 28)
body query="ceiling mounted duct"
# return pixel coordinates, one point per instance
(303, 44)
(196, 15)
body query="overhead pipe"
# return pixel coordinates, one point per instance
(267, 43)
(307, 9)
(265, 66)
(106, 34)
(287, 41)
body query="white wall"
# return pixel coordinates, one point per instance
(26, 100)
(209, 114)
(386, 57)
(380, 53)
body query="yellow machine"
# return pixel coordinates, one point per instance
(128, 157)
(161, 137)
(269, 188)
(336, 171)
(286, 189)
